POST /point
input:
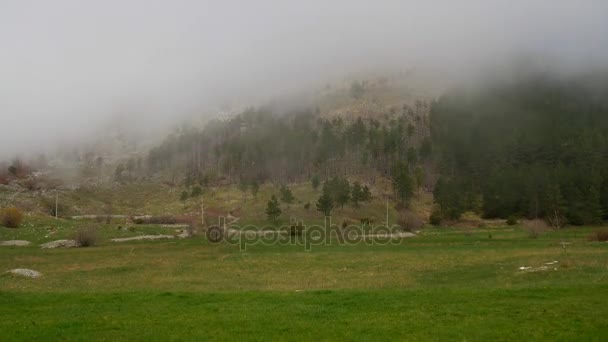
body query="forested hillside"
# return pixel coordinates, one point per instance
(534, 148)
(265, 145)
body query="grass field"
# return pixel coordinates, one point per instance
(445, 284)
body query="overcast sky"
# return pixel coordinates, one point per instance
(67, 67)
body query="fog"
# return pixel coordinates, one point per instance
(69, 69)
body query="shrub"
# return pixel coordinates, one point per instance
(164, 219)
(408, 221)
(49, 206)
(192, 228)
(347, 223)
(86, 237)
(11, 217)
(365, 221)
(296, 230)
(436, 217)
(511, 220)
(599, 235)
(535, 227)
(307, 205)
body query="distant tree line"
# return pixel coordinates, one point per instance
(536, 148)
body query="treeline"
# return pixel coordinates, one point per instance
(535, 148)
(259, 145)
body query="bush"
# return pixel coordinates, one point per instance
(296, 230)
(307, 205)
(346, 223)
(86, 237)
(436, 217)
(11, 217)
(511, 221)
(49, 205)
(409, 221)
(535, 227)
(164, 219)
(599, 235)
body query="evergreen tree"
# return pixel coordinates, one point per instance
(273, 210)
(286, 195)
(184, 197)
(402, 184)
(197, 191)
(366, 194)
(325, 204)
(315, 182)
(255, 187)
(356, 194)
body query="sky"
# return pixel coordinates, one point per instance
(69, 68)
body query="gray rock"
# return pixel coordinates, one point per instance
(25, 272)
(14, 243)
(144, 237)
(60, 244)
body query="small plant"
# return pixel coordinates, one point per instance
(511, 221)
(307, 205)
(600, 235)
(86, 237)
(11, 217)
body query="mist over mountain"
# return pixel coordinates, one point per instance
(71, 68)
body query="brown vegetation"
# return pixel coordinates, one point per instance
(11, 217)
(599, 235)
(535, 227)
(408, 221)
(86, 237)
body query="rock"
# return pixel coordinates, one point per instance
(144, 237)
(184, 234)
(14, 243)
(25, 272)
(60, 244)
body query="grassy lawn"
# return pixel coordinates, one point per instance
(446, 283)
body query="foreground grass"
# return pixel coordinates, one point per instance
(446, 284)
(529, 314)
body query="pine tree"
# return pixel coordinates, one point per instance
(286, 195)
(315, 182)
(402, 184)
(184, 197)
(356, 195)
(255, 187)
(366, 194)
(197, 191)
(325, 204)
(342, 192)
(273, 210)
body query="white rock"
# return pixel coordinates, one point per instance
(144, 237)
(14, 243)
(60, 243)
(26, 273)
